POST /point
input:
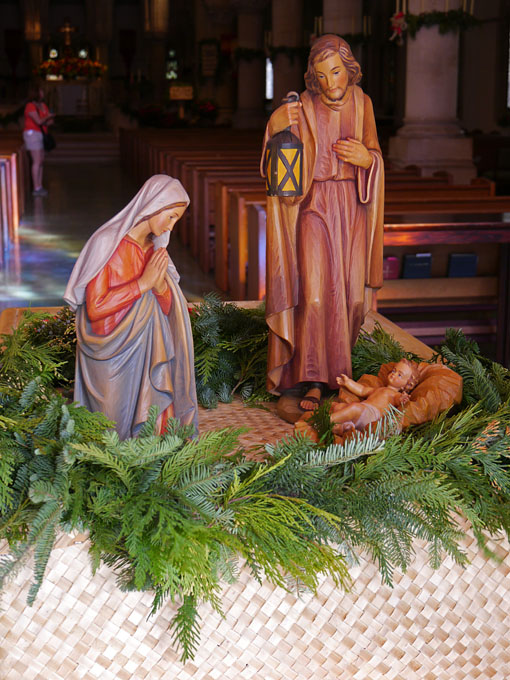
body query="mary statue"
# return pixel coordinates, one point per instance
(135, 347)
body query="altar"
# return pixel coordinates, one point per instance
(73, 82)
(79, 97)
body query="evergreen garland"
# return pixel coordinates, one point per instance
(484, 381)
(299, 52)
(230, 351)
(372, 350)
(447, 22)
(176, 516)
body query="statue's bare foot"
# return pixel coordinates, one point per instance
(312, 399)
(343, 428)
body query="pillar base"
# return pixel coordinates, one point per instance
(434, 146)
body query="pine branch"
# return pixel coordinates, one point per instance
(185, 628)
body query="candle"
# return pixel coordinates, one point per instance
(397, 6)
(464, 2)
(472, 7)
(446, 5)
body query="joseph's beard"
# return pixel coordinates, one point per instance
(335, 97)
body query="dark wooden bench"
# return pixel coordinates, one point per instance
(14, 188)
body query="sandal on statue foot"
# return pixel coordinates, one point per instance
(314, 400)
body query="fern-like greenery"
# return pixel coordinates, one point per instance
(230, 351)
(176, 516)
(484, 380)
(374, 349)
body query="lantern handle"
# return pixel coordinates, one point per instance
(291, 96)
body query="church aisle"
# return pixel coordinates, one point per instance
(81, 197)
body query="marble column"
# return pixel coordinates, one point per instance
(251, 72)
(156, 18)
(431, 137)
(100, 28)
(35, 21)
(287, 31)
(214, 19)
(343, 17)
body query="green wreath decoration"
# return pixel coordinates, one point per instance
(447, 22)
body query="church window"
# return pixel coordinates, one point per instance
(171, 65)
(269, 79)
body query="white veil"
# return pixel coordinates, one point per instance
(158, 192)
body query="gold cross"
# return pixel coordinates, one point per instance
(67, 29)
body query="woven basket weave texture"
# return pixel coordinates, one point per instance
(449, 624)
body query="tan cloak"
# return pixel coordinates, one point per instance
(347, 216)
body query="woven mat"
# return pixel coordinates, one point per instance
(449, 624)
(452, 623)
(263, 425)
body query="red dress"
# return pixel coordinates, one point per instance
(112, 292)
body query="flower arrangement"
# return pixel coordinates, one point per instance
(70, 68)
(205, 109)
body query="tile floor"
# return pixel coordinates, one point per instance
(54, 229)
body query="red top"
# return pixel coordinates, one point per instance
(39, 108)
(112, 292)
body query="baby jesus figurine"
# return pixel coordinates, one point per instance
(376, 400)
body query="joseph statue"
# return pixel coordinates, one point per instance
(324, 248)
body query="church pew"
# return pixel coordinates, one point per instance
(190, 173)
(221, 226)
(153, 150)
(480, 186)
(172, 159)
(200, 200)
(177, 164)
(183, 169)
(14, 181)
(141, 150)
(181, 164)
(239, 201)
(256, 276)
(221, 221)
(226, 209)
(13, 150)
(203, 188)
(424, 231)
(256, 270)
(394, 196)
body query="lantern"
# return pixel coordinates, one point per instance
(284, 161)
